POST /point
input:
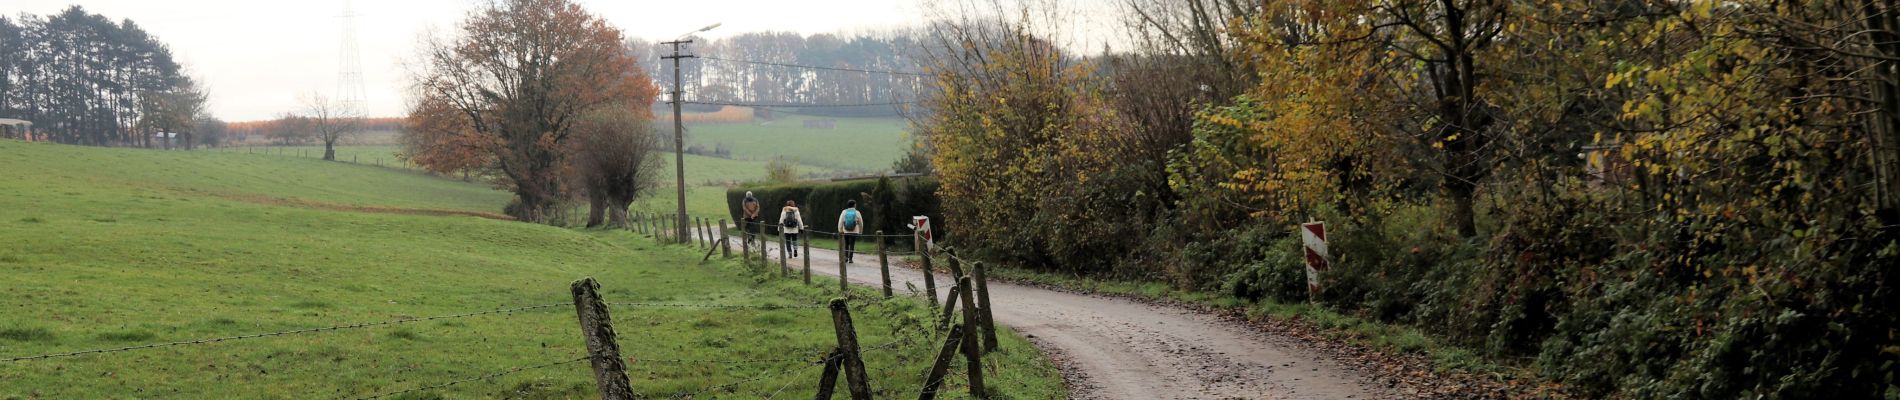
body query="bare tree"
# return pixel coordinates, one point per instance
(330, 120)
(613, 160)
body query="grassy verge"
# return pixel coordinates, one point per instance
(121, 247)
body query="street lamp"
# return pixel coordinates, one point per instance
(679, 134)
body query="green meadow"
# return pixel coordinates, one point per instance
(109, 248)
(858, 145)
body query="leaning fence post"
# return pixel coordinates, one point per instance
(705, 233)
(972, 350)
(854, 375)
(930, 275)
(610, 372)
(884, 263)
(949, 308)
(807, 245)
(942, 366)
(828, 382)
(983, 305)
(725, 240)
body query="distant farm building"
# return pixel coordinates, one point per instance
(821, 124)
(16, 129)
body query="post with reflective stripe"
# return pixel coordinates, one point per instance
(1313, 237)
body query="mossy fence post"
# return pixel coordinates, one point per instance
(942, 366)
(807, 259)
(745, 249)
(983, 305)
(949, 308)
(725, 240)
(930, 279)
(828, 381)
(858, 382)
(884, 263)
(597, 326)
(705, 233)
(784, 249)
(972, 350)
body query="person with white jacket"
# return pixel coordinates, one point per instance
(790, 220)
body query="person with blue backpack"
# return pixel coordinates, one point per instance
(850, 225)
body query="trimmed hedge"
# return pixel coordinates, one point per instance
(823, 201)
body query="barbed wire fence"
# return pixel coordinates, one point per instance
(838, 308)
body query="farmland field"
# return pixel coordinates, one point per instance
(120, 247)
(860, 145)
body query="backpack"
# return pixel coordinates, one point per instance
(790, 221)
(851, 219)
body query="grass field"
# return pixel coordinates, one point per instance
(860, 145)
(120, 247)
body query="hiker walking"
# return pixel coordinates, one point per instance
(751, 208)
(850, 225)
(789, 221)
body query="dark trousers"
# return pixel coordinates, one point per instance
(848, 246)
(791, 244)
(750, 227)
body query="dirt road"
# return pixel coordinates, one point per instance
(1119, 349)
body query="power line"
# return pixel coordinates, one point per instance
(755, 105)
(868, 71)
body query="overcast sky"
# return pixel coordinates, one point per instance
(258, 56)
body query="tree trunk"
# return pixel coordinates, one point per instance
(329, 150)
(1462, 213)
(596, 208)
(617, 213)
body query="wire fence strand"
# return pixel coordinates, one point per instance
(486, 376)
(280, 333)
(722, 306)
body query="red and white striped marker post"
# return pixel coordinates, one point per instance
(1313, 236)
(922, 225)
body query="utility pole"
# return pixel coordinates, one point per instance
(679, 137)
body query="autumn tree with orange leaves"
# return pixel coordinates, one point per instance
(508, 89)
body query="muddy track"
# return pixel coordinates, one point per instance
(1111, 348)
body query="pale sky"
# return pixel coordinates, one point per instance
(257, 57)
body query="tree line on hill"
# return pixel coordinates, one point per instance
(85, 79)
(1693, 199)
(771, 68)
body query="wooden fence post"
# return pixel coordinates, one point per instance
(705, 232)
(843, 283)
(764, 259)
(972, 350)
(610, 371)
(854, 375)
(884, 263)
(983, 305)
(745, 249)
(930, 275)
(828, 382)
(807, 245)
(942, 366)
(949, 308)
(725, 239)
(784, 249)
